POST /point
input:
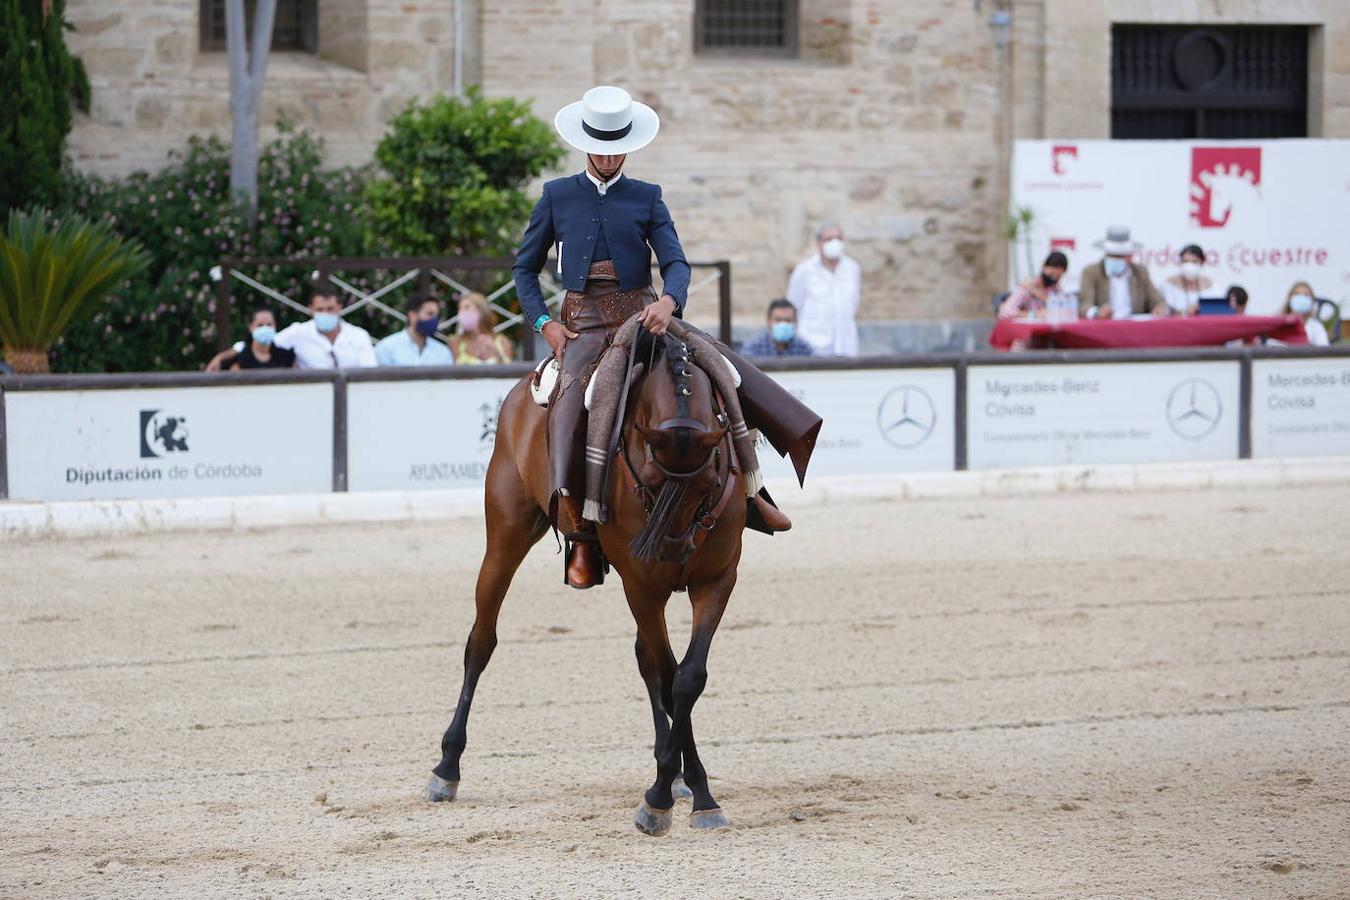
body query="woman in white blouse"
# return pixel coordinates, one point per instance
(1183, 290)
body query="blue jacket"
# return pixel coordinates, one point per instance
(571, 211)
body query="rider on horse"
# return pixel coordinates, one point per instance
(606, 227)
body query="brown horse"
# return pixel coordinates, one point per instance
(676, 493)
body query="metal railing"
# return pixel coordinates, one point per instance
(420, 273)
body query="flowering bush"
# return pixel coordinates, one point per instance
(184, 216)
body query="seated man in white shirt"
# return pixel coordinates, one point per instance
(321, 342)
(325, 341)
(416, 345)
(825, 290)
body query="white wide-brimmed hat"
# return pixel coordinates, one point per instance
(1118, 242)
(607, 121)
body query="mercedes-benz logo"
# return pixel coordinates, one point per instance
(906, 416)
(1194, 408)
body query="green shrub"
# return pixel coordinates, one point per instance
(453, 174)
(39, 78)
(164, 318)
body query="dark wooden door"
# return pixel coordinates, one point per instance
(1184, 81)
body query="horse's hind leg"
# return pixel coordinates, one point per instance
(514, 524)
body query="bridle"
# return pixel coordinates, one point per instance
(678, 476)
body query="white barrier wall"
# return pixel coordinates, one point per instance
(169, 442)
(427, 433)
(1045, 415)
(418, 435)
(1300, 407)
(876, 420)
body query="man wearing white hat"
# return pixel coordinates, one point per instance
(606, 227)
(1117, 287)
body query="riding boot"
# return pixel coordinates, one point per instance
(762, 514)
(774, 517)
(584, 567)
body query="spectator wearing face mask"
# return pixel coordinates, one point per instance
(416, 345)
(324, 341)
(1041, 297)
(1116, 287)
(477, 342)
(780, 338)
(1237, 302)
(1183, 290)
(259, 352)
(1302, 303)
(826, 289)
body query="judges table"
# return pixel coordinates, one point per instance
(1191, 331)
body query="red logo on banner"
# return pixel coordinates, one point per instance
(1060, 156)
(1223, 179)
(1069, 245)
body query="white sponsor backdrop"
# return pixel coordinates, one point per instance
(1267, 213)
(419, 435)
(1049, 415)
(876, 420)
(1300, 407)
(170, 442)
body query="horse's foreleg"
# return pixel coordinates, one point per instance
(709, 600)
(656, 663)
(514, 524)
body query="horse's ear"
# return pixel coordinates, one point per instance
(709, 439)
(656, 438)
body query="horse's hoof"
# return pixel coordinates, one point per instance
(441, 791)
(680, 790)
(651, 821)
(708, 818)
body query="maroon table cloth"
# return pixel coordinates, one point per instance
(1191, 331)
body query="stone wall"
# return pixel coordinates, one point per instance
(889, 127)
(890, 122)
(153, 86)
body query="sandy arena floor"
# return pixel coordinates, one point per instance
(1075, 696)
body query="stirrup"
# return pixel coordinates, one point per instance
(570, 540)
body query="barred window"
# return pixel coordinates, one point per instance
(296, 26)
(1187, 81)
(746, 27)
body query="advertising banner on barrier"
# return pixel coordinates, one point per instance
(1266, 213)
(876, 421)
(169, 442)
(1300, 407)
(420, 435)
(1047, 415)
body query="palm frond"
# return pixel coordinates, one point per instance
(52, 272)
